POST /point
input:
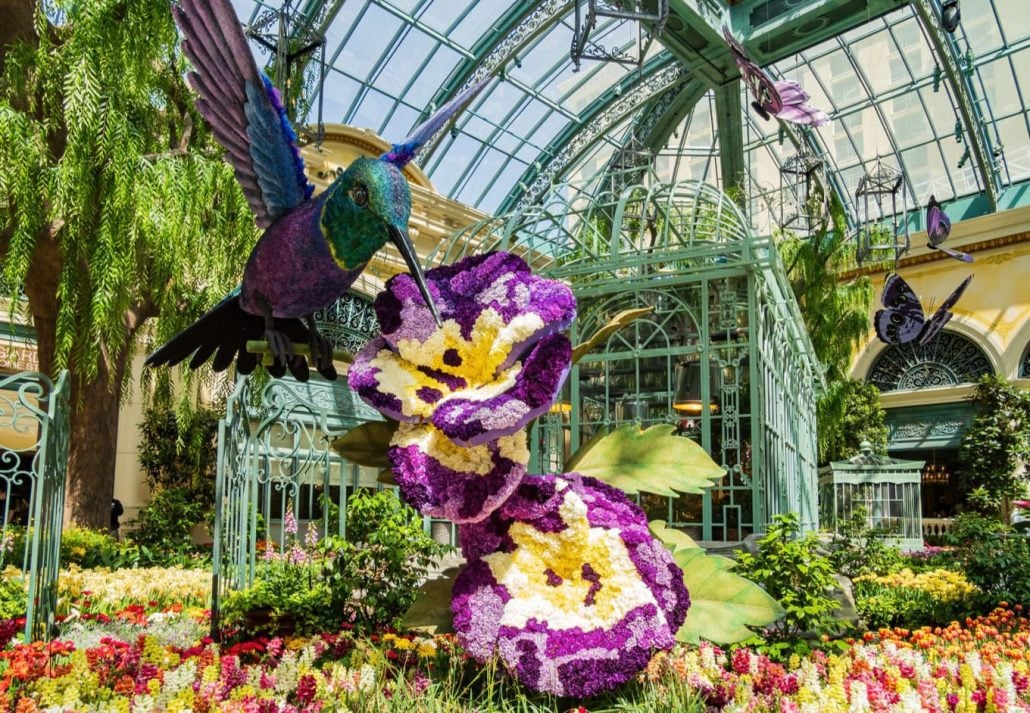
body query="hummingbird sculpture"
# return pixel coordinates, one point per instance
(313, 248)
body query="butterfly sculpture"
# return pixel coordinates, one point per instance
(902, 320)
(938, 226)
(313, 247)
(783, 99)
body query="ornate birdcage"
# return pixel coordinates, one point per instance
(880, 202)
(803, 198)
(886, 489)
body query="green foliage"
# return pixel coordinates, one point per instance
(724, 607)
(847, 414)
(368, 579)
(87, 548)
(790, 568)
(881, 606)
(375, 572)
(994, 557)
(13, 596)
(164, 523)
(995, 450)
(836, 313)
(856, 549)
(146, 223)
(647, 461)
(177, 451)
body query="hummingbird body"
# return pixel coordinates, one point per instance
(313, 248)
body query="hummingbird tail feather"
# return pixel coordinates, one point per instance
(224, 332)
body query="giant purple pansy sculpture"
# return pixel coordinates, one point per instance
(567, 585)
(465, 389)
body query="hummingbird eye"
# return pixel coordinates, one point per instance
(359, 194)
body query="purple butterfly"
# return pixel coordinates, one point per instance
(938, 225)
(785, 99)
(903, 320)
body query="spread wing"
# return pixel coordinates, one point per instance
(795, 107)
(767, 98)
(243, 108)
(943, 314)
(902, 319)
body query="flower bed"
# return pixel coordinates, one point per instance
(981, 664)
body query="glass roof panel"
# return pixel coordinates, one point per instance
(878, 81)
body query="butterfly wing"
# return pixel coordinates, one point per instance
(938, 225)
(943, 314)
(244, 109)
(795, 107)
(902, 319)
(767, 99)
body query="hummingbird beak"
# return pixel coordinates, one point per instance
(403, 242)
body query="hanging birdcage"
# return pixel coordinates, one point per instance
(803, 198)
(880, 202)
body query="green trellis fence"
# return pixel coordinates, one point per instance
(33, 464)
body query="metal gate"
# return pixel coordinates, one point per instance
(33, 464)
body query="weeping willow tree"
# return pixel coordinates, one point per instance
(836, 313)
(115, 208)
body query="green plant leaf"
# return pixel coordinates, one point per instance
(367, 444)
(649, 461)
(616, 323)
(723, 605)
(675, 540)
(431, 612)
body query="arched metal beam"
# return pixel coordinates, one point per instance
(973, 119)
(524, 22)
(658, 76)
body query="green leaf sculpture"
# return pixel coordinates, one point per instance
(650, 461)
(601, 336)
(431, 611)
(367, 444)
(723, 605)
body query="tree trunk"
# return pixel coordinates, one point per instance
(93, 447)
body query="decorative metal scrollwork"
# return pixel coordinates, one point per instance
(348, 323)
(1024, 368)
(948, 360)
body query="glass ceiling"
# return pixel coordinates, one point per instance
(391, 61)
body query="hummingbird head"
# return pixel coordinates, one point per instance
(368, 206)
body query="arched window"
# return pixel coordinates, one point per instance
(948, 360)
(1024, 366)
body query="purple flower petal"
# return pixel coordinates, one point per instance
(575, 594)
(478, 415)
(441, 479)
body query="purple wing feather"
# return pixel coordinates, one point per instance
(943, 314)
(243, 108)
(400, 154)
(938, 227)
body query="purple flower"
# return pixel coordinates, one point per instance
(496, 362)
(444, 480)
(567, 585)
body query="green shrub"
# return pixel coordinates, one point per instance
(179, 453)
(791, 569)
(88, 548)
(13, 596)
(164, 523)
(856, 549)
(376, 571)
